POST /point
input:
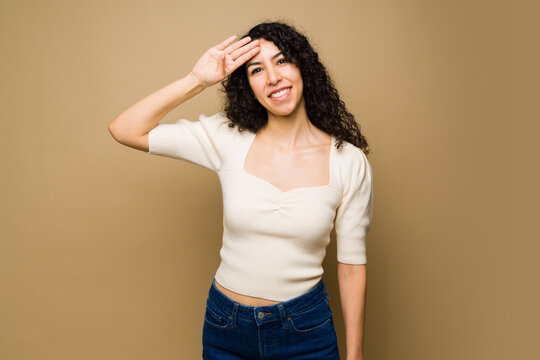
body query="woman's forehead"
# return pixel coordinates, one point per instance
(267, 50)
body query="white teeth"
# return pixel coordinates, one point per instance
(280, 93)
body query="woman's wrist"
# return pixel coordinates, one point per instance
(194, 81)
(183, 89)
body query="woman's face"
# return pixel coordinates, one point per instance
(276, 82)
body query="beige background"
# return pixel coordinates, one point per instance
(108, 253)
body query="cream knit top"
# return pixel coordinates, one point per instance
(274, 241)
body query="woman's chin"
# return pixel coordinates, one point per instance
(280, 112)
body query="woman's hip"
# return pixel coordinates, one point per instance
(290, 329)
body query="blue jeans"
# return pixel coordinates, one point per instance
(297, 329)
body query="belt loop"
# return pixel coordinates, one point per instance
(283, 316)
(324, 285)
(234, 315)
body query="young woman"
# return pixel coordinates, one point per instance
(292, 165)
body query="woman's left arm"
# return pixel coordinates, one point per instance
(352, 282)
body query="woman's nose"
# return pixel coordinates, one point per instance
(273, 76)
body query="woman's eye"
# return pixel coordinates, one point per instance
(254, 71)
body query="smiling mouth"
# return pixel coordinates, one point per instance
(281, 93)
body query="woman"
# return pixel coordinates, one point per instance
(294, 168)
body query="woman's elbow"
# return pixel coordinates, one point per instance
(129, 138)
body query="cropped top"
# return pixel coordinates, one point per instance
(274, 241)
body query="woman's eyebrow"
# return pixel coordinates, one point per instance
(258, 63)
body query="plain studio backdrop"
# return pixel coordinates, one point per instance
(108, 253)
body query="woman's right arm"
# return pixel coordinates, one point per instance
(132, 126)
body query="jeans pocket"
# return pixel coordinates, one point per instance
(314, 318)
(217, 317)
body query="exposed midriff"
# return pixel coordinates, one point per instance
(245, 299)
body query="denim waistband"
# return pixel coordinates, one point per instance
(264, 313)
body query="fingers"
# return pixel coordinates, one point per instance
(238, 44)
(225, 43)
(236, 54)
(242, 59)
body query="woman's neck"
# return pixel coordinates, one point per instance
(289, 131)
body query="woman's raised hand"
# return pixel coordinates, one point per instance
(221, 60)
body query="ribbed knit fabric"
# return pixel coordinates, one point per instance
(274, 241)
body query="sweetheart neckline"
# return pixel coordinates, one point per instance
(330, 162)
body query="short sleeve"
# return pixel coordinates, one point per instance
(353, 215)
(201, 142)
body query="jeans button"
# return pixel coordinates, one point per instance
(261, 315)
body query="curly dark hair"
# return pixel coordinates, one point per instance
(330, 115)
